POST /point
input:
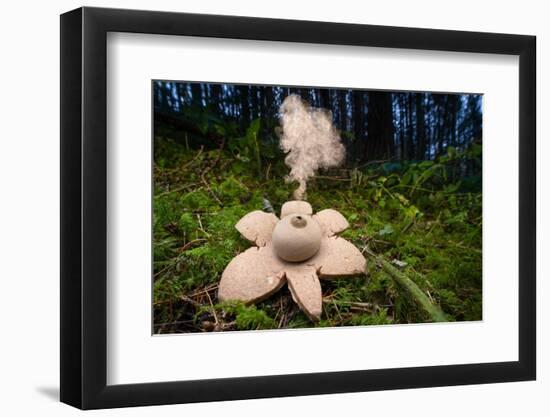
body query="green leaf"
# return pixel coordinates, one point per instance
(387, 230)
(254, 127)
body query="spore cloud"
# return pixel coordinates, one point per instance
(310, 141)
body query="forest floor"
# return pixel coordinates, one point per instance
(416, 216)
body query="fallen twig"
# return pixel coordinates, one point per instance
(175, 190)
(191, 243)
(213, 287)
(190, 301)
(212, 193)
(435, 313)
(213, 310)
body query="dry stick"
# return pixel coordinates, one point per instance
(461, 246)
(210, 190)
(190, 301)
(215, 162)
(213, 309)
(337, 309)
(213, 287)
(172, 322)
(166, 268)
(190, 243)
(182, 249)
(181, 168)
(435, 313)
(175, 190)
(201, 228)
(369, 307)
(282, 311)
(207, 169)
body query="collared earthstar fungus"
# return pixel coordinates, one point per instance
(300, 249)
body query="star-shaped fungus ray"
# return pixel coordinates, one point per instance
(258, 272)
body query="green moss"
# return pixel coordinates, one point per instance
(244, 317)
(371, 319)
(411, 212)
(251, 319)
(232, 191)
(197, 200)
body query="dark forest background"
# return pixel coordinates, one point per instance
(374, 125)
(410, 187)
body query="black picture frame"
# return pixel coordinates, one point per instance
(84, 207)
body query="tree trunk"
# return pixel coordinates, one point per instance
(342, 109)
(215, 96)
(380, 141)
(325, 98)
(268, 101)
(410, 131)
(359, 119)
(420, 127)
(244, 92)
(254, 102)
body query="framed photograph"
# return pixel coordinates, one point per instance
(256, 208)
